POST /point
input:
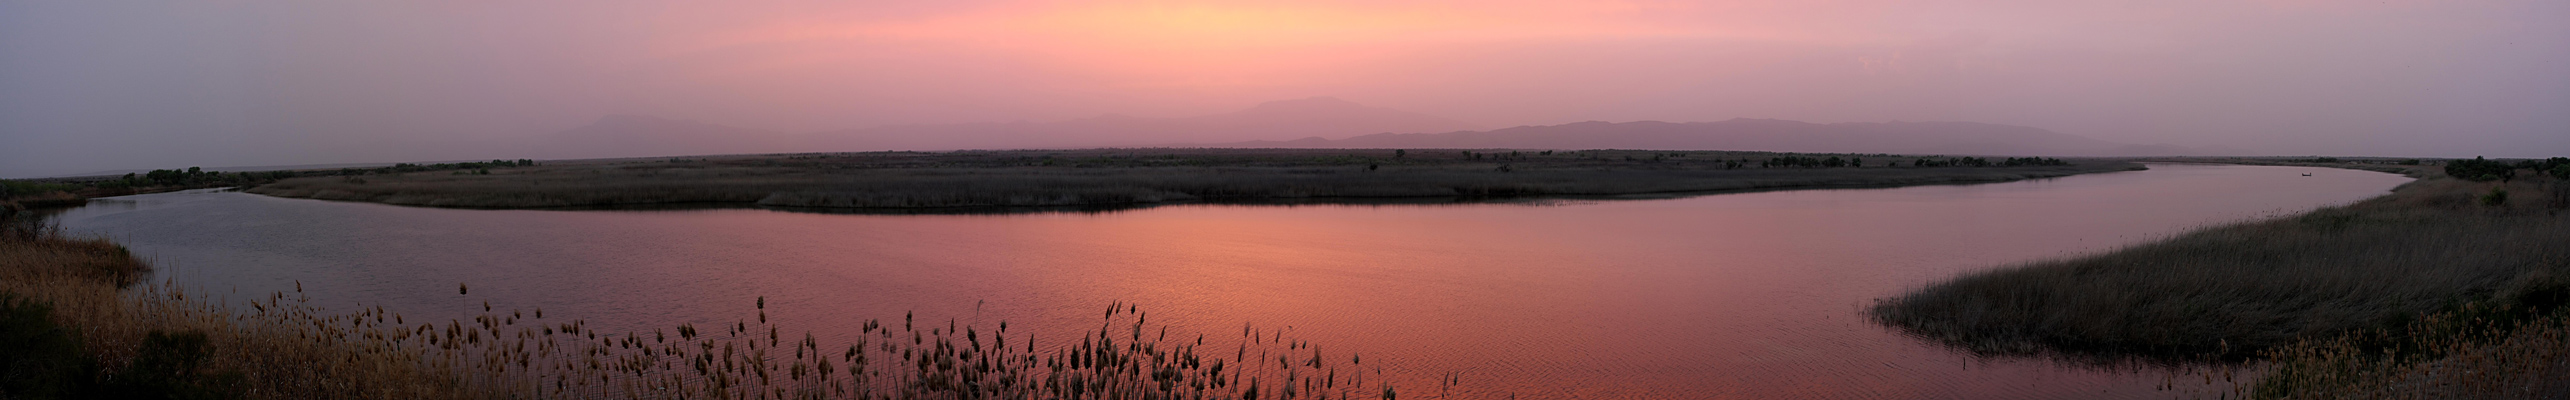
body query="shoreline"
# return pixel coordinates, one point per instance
(1288, 201)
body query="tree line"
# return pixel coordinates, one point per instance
(1923, 162)
(2485, 169)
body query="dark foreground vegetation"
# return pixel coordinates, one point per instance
(74, 325)
(2450, 287)
(1127, 177)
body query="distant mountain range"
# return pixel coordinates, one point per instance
(640, 136)
(1958, 138)
(643, 136)
(1318, 116)
(1316, 120)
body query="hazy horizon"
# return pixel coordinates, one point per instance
(93, 86)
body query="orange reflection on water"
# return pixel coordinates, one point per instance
(1753, 295)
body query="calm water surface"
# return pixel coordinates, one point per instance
(1753, 295)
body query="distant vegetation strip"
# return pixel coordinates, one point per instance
(61, 192)
(2448, 287)
(73, 325)
(1127, 177)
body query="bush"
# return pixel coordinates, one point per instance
(2479, 169)
(2496, 197)
(2033, 161)
(2560, 198)
(10, 188)
(38, 358)
(42, 357)
(170, 366)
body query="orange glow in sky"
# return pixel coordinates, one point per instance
(268, 80)
(1231, 41)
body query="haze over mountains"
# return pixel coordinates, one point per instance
(1960, 138)
(1324, 122)
(633, 136)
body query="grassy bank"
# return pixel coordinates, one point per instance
(2232, 291)
(1124, 177)
(2501, 348)
(75, 325)
(78, 326)
(2437, 271)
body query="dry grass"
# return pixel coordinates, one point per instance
(1124, 177)
(281, 354)
(2487, 350)
(2230, 292)
(30, 253)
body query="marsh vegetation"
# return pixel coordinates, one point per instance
(1124, 177)
(2447, 286)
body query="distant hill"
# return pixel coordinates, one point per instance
(643, 136)
(1317, 120)
(1318, 116)
(1959, 138)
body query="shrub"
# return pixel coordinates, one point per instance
(2496, 197)
(38, 358)
(2560, 198)
(170, 366)
(2479, 169)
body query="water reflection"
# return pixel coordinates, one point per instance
(1743, 295)
(1531, 201)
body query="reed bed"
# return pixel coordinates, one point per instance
(1125, 358)
(2445, 288)
(2485, 350)
(1124, 177)
(282, 347)
(2229, 292)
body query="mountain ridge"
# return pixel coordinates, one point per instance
(1329, 122)
(1752, 134)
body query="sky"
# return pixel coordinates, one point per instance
(104, 85)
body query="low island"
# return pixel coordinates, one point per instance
(1111, 178)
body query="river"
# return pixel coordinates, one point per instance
(1744, 295)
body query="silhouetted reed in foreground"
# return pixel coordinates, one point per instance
(2504, 349)
(79, 326)
(528, 356)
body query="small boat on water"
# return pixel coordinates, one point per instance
(2306, 174)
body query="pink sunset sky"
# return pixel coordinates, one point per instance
(99, 85)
